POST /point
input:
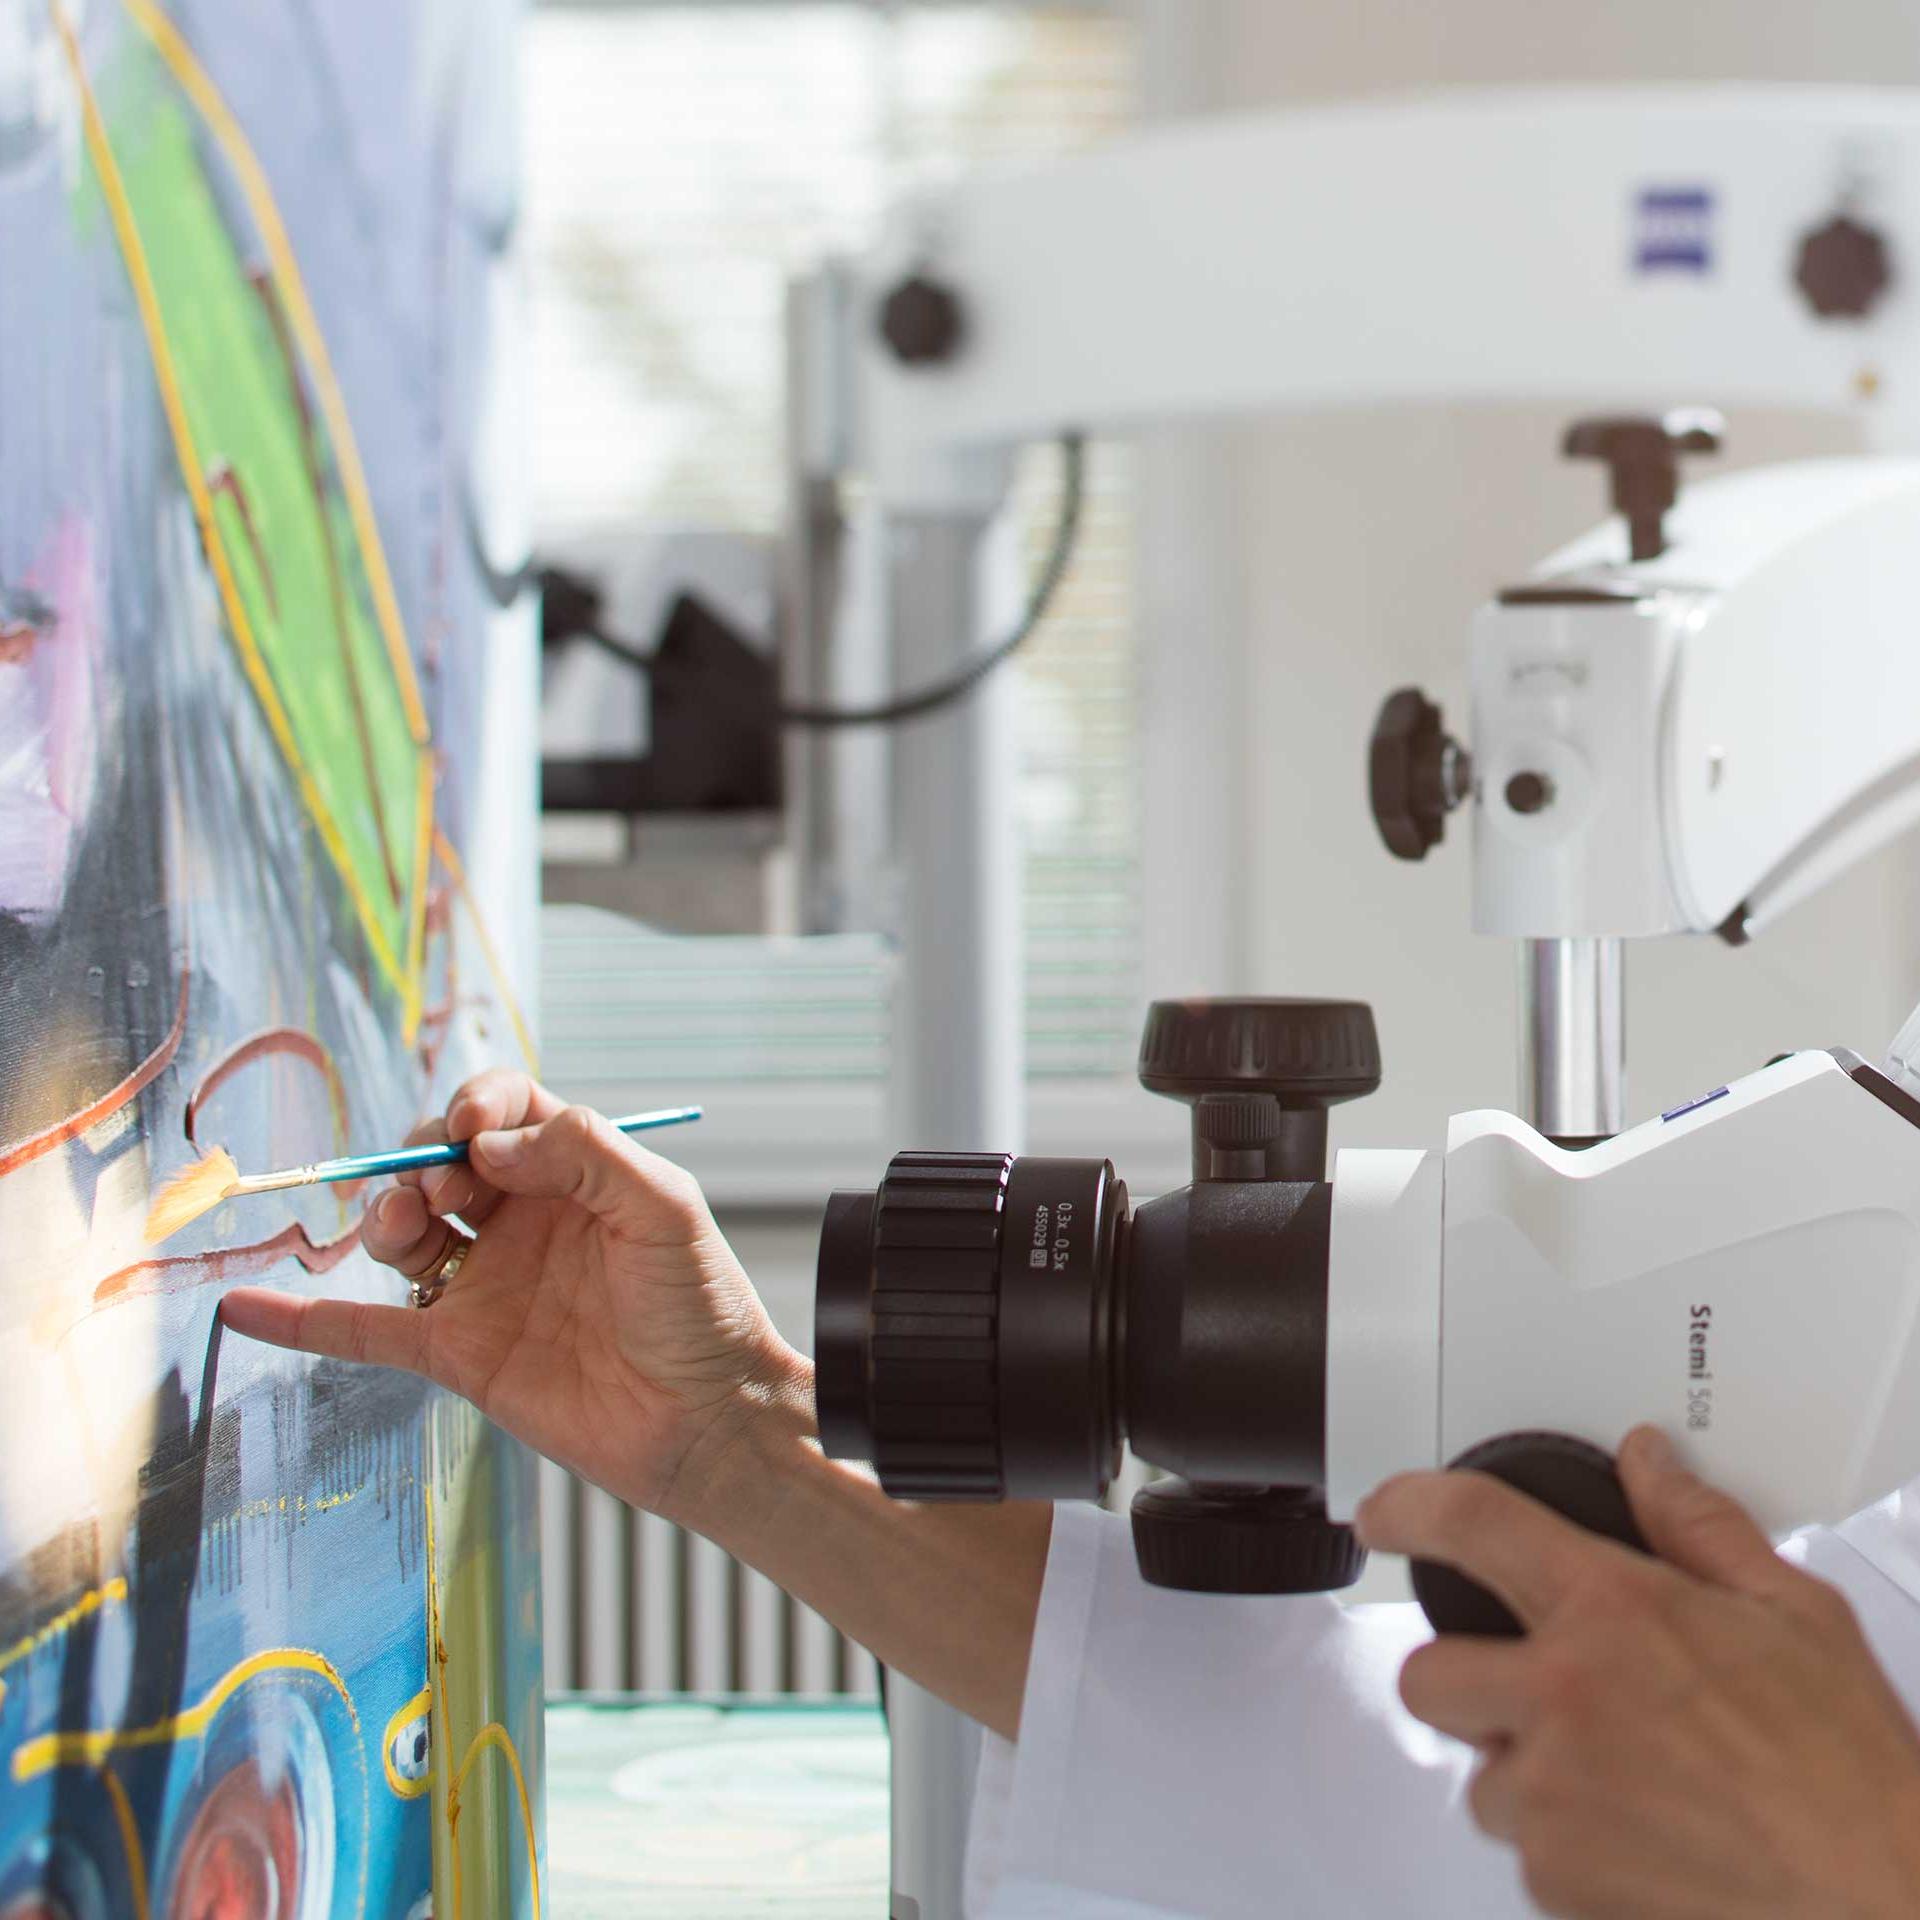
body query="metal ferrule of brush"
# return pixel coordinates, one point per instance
(310, 1176)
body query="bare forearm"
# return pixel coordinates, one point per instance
(945, 1594)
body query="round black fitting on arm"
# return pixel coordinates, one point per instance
(1642, 454)
(1417, 773)
(1843, 268)
(923, 321)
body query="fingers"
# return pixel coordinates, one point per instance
(578, 1155)
(1479, 1691)
(499, 1097)
(341, 1329)
(1695, 1526)
(401, 1232)
(1492, 1797)
(1528, 1555)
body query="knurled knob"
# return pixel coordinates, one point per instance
(1306, 1053)
(1276, 1540)
(936, 1266)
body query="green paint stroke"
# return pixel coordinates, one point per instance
(282, 516)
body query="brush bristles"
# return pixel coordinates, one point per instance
(191, 1192)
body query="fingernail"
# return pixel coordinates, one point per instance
(1653, 1448)
(1360, 1521)
(384, 1205)
(503, 1149)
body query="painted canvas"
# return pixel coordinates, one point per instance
(269, 1628)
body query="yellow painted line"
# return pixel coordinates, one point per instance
(422, 1702)
(129, 1839)
(259, 676)
(114, 1590)
(502, 985)
(291, 286)
(493, 1734)
(51, 1750)
(258, 191)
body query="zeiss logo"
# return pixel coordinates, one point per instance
(1673, 230)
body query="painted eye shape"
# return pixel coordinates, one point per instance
(410, 1748)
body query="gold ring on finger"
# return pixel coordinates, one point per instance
(424, 1292)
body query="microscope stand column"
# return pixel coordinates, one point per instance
(959, 1023)
(1573, 1039)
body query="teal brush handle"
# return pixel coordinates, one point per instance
(373, 1166)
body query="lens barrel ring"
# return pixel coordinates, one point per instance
(936, 1302)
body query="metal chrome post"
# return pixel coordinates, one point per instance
(959, 1038)
(1573, 1068)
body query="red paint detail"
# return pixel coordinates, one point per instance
(260, 1046)
(241, 1857)
(221, 478)
(143, 1076)
(147, 1277)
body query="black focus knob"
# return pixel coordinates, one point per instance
(1843, 268)
(1574, 1478)
(1642, 455)
(1417, 773)
(923, 322)
(1275, 1540)
(1260, 1076)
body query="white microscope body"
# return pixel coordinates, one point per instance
(1744, 1271)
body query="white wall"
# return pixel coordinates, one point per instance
(1345, 557)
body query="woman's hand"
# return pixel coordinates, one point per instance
(599, 1314)
(1702, 1733)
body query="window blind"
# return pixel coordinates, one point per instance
(683, 161)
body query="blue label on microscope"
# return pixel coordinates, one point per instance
(1673, 230)
(1693, 1106)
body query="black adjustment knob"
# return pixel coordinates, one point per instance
(1843, 268)
(923, 322)
(1417, 773)
(1642, 453)
(1274, 1540)
(935, 1307)
(1568, 1475)
(1260, 1076)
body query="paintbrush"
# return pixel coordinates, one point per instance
(201, 1187)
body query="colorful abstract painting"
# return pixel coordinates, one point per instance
(269, 1628)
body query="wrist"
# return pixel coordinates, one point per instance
(747, 1451)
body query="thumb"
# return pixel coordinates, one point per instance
(579, 1155)
(1695, 1526)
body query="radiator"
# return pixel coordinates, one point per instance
(635, 1604)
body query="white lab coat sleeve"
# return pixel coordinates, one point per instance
(1187, 1754)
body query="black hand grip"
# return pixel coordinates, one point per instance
(1570, 1476)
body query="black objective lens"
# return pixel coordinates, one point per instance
(965, 1327)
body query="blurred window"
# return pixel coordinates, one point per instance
(682, 161)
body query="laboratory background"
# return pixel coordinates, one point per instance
(838, 562)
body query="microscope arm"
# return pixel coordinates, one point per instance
(1495, 246)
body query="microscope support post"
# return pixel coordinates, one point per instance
(1573, 1044)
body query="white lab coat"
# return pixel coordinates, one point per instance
(1184, 1754)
